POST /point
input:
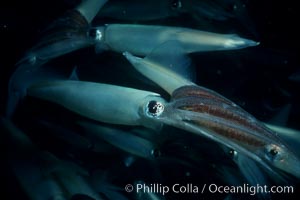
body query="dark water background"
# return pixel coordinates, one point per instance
(256, 78)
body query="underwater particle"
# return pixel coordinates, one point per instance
(187, 173)
(129, 161)
(156, 153)
(232, 153)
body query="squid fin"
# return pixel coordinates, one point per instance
(171, 56)
(167, 66)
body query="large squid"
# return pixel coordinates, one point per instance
(142, 39)
(192, 108)
(207, 113)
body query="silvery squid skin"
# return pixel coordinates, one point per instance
(101, 102)
(142, 39)
(207, 113)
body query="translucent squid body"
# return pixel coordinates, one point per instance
(205, 112)
(193, 108)
(100, 102)
(142, 39)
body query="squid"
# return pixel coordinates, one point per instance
(100, 102)
(142, 39)
(67, 34)
(223, 121)
(207, 113)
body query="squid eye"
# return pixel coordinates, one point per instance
(273, 152)
(156, 153)
(95, 34)
(155, 108)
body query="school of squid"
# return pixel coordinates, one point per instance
(151, 124)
